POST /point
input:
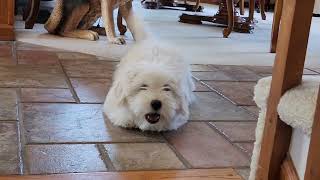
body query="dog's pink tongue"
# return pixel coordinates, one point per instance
(152, 118)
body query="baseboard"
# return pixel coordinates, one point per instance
(190, 174)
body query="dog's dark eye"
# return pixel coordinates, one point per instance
(143, 87)
(166, 87)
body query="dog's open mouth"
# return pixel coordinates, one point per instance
(152, 118)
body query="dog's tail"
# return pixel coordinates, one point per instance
(138, 29)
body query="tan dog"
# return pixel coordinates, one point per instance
(74, 18)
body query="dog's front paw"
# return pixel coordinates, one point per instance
(93, 36)
(117, 40)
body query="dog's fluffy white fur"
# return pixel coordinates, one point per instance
(150, 72)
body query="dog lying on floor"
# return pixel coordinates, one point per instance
(74, 18)
(152, 89)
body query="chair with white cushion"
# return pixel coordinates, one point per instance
(287, 143)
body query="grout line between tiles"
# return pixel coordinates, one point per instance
(21, 135)
(9, 121)
(42, 102)
(105, 157)
(73, 92)
(247, 141)
(24, 87)
(225, 97)
(243, 150)
(179, 156)
(313, 71)
(223, 120)
(244, 108)
(226, 138)
(220, 93)
(14, 52)
(92, 142)
(32, 87)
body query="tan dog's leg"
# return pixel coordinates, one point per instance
(72, 22)
(107, 16)
(55, 17)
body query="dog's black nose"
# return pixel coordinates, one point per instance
(156, 105)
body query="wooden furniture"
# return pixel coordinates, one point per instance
(287, 73)
(276, 25)
(171, 4)
(7, 20)
(228, 16)
(252, 7)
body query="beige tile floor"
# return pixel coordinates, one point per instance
(51, 119)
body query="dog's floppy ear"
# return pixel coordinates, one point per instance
(118, 92)
(184, 105)
(185, 92)
(121, 85)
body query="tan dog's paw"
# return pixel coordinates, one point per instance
(91, 35)
(117, 40)
(95, 35)
(49, 26)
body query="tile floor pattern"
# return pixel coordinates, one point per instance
(51, 119)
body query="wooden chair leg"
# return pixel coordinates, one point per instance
(313, 162)
(276, 25)
(262, 9)
(241, 4)
(196, 6)
(32, 16)
(27, 10)
(230, 7)
(287, 73)
(251, 9)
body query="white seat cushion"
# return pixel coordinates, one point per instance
(296, 106)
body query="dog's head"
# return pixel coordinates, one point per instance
(156, 95)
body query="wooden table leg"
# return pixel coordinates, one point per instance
(275, 25)
(230, 7)
(262, 9)
(251, 10)
(241, 4)
(32, 17)
(287, 73)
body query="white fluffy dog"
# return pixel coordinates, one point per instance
(151, 90)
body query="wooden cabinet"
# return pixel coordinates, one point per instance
(7, 20)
